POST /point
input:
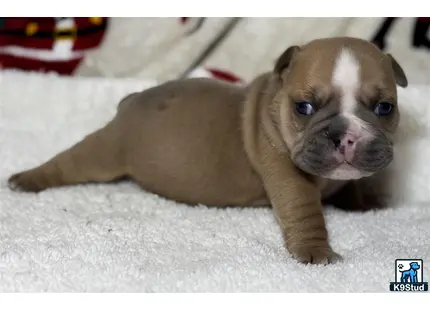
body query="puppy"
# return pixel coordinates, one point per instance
(295, 137)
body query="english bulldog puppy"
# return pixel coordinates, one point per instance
(295, 137)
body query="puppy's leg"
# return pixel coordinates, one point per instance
(296, 201)
(97, 158)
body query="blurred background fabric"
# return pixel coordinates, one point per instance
(233, 49)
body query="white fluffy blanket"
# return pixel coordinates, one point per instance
(118, 238)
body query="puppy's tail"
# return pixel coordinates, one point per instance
(96, 158)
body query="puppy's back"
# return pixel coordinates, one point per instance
(184, 141)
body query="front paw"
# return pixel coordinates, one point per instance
(315, 255)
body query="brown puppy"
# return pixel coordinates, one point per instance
(292, 138)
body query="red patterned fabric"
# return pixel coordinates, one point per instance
(224, 75)
(48, 43)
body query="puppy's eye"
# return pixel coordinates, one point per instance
(383, 108)
(304, 108)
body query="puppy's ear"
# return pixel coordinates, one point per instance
(285, 59)
(399, 74)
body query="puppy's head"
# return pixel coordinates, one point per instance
(337, 105)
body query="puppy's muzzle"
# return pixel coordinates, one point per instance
(344, 147)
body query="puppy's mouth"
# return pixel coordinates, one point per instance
(347, 163)
(346, 171)
(343, 170)
(328, 162)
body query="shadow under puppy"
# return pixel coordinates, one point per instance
(293, 138)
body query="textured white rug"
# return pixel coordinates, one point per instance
(117, 238)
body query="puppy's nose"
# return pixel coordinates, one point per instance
(345, 145)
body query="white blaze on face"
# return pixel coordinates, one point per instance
(346, 79)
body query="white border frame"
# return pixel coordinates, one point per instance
(216, 8)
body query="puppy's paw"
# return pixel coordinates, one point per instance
(315, 255)
(26, 181)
